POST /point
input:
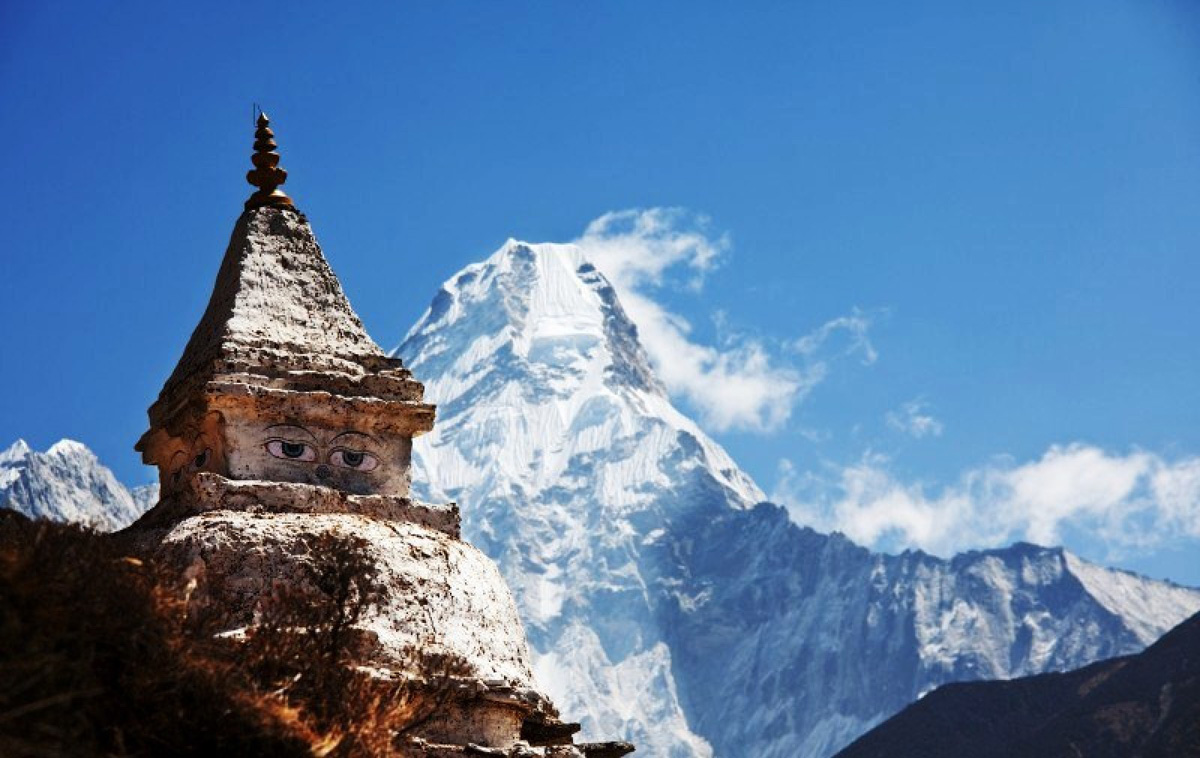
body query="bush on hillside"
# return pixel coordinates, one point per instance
(102, 655)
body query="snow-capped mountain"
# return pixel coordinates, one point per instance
(68, 483)
(666, 602)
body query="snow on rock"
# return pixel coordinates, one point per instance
(145, 496)
(1145, 606)
(65, 483)
(616, 695)
(662, 603)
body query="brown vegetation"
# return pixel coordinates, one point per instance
(102, 655)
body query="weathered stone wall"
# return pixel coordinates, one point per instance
(442, 595)
(346, 454)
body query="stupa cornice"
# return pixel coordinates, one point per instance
(207, 492)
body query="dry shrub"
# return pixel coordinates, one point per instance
(100, 657)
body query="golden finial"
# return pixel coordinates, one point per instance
(267, 175)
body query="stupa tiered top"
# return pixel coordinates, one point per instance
(267, 174)
(279, 341)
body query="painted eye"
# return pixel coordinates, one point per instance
(292, 451)
(201, 459)
(176, 466)
(355, 459)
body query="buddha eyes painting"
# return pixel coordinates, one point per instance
(346, 450)
(296, 451)
(353, 459)
(200, 460)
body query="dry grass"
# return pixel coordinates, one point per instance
(99, 656)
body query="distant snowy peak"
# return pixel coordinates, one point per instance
(1046, 590)
(564, 450)
(11, 461)
(546, 303)
(16, 453)
(1148, 608)
(537, 328)
(66, 483)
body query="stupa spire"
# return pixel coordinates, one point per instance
(267, 174)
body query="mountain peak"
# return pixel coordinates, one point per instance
(16, 452)
(536, 335)
(542, 304)
(68, 448)
(65, 483)
(1140, 602)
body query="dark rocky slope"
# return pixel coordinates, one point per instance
(1145, 705)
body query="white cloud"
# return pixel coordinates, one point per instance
(636, 247)
(1132, 501)
(855, 327)
(742, 383)
(913, 418)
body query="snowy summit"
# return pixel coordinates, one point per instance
(664, 601)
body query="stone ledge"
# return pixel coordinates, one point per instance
(212, 492)
(605, 749)
(425, 749)
(412, 418)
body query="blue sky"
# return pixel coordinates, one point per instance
(963, 236)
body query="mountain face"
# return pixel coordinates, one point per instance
(1146, 704)
(663, 599)
(68, 483)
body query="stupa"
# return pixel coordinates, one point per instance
(284, 422)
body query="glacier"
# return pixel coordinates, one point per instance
(665, 600)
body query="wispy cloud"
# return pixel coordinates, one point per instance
(854, 328)
(1125, 501)
(742, 382)
(1131, 501)
(914, 419)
